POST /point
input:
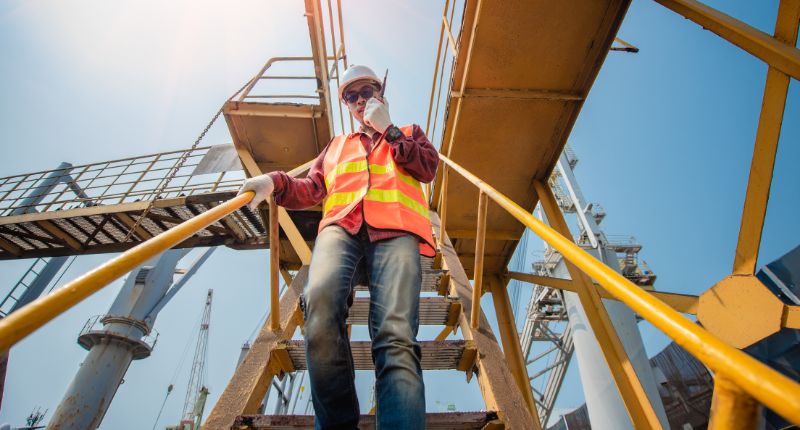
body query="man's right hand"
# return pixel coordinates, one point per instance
(261, 185)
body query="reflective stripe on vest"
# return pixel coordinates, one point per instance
(392, 198)
(360, 166)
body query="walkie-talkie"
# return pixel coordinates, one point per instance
(383, 85)
(383, 90)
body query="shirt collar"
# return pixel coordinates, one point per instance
(363, 129)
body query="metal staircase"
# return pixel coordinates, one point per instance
(478, 355)
(116, 194)
(124, 203)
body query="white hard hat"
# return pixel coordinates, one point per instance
(357, 73)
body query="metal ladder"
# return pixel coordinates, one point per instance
(19, 289)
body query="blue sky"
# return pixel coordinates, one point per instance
(665, 141)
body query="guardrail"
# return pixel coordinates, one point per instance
(29, 318)
(740, 377)
(97, 324)
(119, 181)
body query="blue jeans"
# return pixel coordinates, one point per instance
(393, 271)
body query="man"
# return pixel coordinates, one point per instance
(375, 220)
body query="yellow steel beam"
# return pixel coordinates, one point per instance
(619, 364)
(784, 57)
(442, 207)
(274, 266)
(769, 387)
(495, 380)
(338, 55)
(246, 388)
(490, 235)
(766, 146)
(516, 93)
(467, 64)
(24, 321)
(452, 43)
(477, 290)
(444, 333)
(287, 277)
(73, 213)
(55, 231)
(436, 68)
(511, 347)
(791, 317)
(295, 238)
(732, 408)
(130, 223)
(684, 303)
(10, 247)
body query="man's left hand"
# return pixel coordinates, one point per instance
(376, 115)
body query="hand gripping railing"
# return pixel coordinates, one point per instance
(742, 375)
(29, 318)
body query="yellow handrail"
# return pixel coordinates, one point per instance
(769, 387)
(27, 319)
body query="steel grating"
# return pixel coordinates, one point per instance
(436, 355)
(435, 421)
(432, 310)
(430, 281)
(430, 276)
(103, 228)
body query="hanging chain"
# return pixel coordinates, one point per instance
(174, 171)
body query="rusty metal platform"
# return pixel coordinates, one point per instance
(89, 209)
(436, 355)
(279, 131)
(432, 311)
(433, 421)
(431, 278)
(517, 87)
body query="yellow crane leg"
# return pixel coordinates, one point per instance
(732, 408)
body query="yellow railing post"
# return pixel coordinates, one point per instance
(732, 408)
(442, 206)
(274, 266)
(436, 68)
(480, 240)
(511, 346)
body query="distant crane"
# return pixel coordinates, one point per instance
(196, 391)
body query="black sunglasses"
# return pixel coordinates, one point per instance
(352, 96)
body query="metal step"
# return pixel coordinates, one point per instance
(437, 420)
(432, 311)
(430, 277)
(436, 355)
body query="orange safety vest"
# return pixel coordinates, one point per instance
(392, 199)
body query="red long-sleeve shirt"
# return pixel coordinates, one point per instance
(413, 153)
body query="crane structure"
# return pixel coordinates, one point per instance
(524, 63)
(551, 314)
(124, 334)
(196, 390)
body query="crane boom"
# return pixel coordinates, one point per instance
(196, 390)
